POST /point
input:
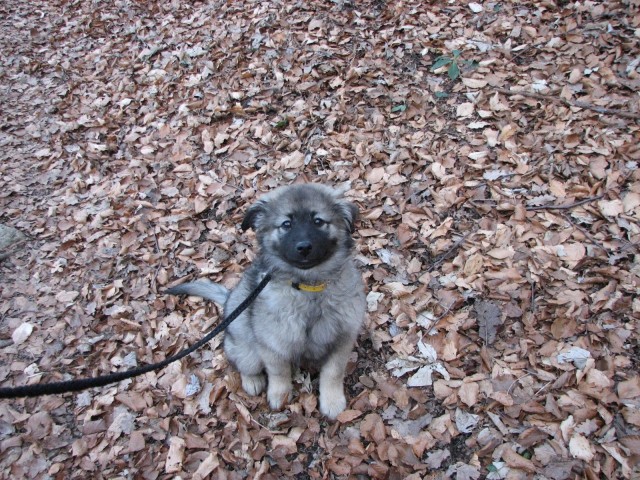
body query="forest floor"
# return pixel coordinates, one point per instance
(492, 149)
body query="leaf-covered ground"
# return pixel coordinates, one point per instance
(499, 237)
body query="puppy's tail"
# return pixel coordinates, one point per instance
(202, 288)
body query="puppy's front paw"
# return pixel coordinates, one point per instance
(332, 402)
(253, 384)
(278, 393)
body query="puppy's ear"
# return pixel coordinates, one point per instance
(253, 216)
(349, 212)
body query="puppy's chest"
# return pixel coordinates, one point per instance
(302, 311)
(303, 321)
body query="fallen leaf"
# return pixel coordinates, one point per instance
(465, 421)
(348, 416)
(489, 320)
(468, 393)
(580, 448)
(463, 471)
(436, 458)
(464, 110)
(22, 333)
(424, 376)
(474, 82)
(207, 467)
(578, 356)
(293, 160)
(67, 296)
(514, 460)
(372, 428)
(630, 202)
(175, 456)
(629, 389)
(502, 397)
(611, 208)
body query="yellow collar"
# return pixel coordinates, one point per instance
(309, 288)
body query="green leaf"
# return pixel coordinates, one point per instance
(456, 53)
(440, 62)
(399, 108)
(281, 123)
(453, 71)
(441, 95)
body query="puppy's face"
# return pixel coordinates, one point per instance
(303, 226)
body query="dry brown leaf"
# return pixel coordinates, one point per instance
(136, 442)
(629, 389)
(464, 110)
(175, 456)
(349, 416)
(474, 82)
(514, 460)
(501, 253)
(581, 448)
(468, 393)
(207, 467)
(502, 397)
(372, 428)
(489, 320)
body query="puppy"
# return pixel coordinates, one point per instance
(313, 308)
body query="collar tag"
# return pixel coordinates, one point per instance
(309, 288)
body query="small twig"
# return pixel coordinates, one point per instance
(435, 321)
(541, 389)
(565, 207)
(532, 307)
(485, 330)
(577, 104)
(237, 188)
(154, 282)
(272, 432)
(586, 233)
(448, 253)
(516, 381)
(528, 373)
(242, 112)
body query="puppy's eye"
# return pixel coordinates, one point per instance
(286, 225)
(318, 222)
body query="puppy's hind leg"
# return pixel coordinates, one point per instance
(249, 364)
(332, 399)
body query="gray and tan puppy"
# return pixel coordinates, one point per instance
(311, 311)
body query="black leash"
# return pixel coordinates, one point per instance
(84, 383)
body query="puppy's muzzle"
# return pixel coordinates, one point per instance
(307, 254)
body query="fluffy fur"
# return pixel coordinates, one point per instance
(304, 233)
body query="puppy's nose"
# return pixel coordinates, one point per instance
(303, 248)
